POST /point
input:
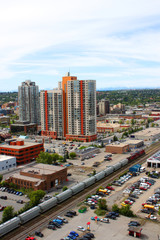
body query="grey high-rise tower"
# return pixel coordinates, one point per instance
(29, 106)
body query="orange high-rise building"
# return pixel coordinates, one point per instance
(73, 115)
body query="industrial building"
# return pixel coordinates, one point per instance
(70, 111)
(7, 162)
(148, 134)
(87, 152)
(154, 160)
(117, 147)
(24, 152)
(40, 176)
(134, 143)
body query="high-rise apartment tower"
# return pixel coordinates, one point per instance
(29, 106)
(70, 111)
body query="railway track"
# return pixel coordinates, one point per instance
(41, 221)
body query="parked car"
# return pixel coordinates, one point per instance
(69, 215)
(134, 223)
(50, 226)
(39, 234)
(110, 188)
(80, 228)
(20, 201)
(30, 238)
(105, 220)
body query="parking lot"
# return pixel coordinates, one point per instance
(116, 229)
(12, 201)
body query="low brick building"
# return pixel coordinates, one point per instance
(40, 176)
(117, 147)
(24, 152)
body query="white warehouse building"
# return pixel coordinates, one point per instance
(7, 162)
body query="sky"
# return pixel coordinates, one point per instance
(115, 42)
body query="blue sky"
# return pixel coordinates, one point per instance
(114, 42)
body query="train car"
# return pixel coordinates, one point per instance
(9, 226)
(124, 162)
(78, 188)
(29, 214)
(64, 195)
(117, 166)
(99, 176)
(46, 205)
(89, 181)
(108, 170)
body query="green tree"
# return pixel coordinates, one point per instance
(132, 121)
(115, 208)
(64, 188)
(115, 138)
(126, 211)
(1, 177)
(35, 197)
(72, 155)
(102, 204)
(8, 213)
(153, 124)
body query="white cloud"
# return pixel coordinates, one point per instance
(116, 35)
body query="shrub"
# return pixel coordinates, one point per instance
(100, 212)
(64, 188)
(126, 211)
(115, 208)
(102, 204)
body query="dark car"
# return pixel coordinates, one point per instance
(90, 234)
(74, 213)
(110, 216)
(132, 199)
(51, 227)
(39, 234)
(55, 224)
(87, 237)
(134, 223)
(115, 214)
(134, 196)
(145, 210)
(68, 215)
(4, 197)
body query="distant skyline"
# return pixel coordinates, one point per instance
(113, 42)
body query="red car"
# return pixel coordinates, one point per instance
(110, 188)
(2, 208)
(142, 188)
(127, 202)
(30, 238)
(149, 183)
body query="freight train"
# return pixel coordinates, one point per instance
(45, 206)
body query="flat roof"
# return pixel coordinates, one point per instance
(148, 132)
(42, 169)
(108, 125)
(26, 144)
(27, 178)
(130, 141)
(118, 144)
(5, 157)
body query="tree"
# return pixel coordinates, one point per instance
(126, 211)
(132, 121)
(64, 188)
(72, 155)
(115, 208)
(35, 197)
(153, 124)
(1, 177)
(115, 138)
(102, 204)
(8, 213)
(47, 158)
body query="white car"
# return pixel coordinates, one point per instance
(80, 228)
(152, 217)
(105, 220)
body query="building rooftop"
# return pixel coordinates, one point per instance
(27, 178)
(148, 132)
(5, 157)
(118, 144)
(26, 144)
(42, 169)
(130, 141)
(108, 125)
